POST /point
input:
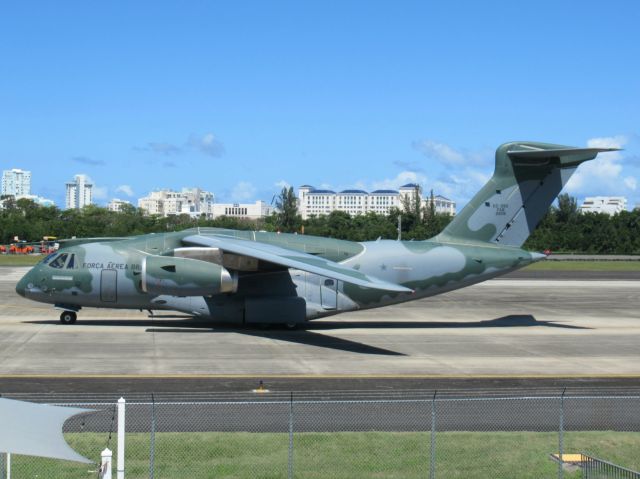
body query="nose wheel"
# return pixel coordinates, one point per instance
(68, 317)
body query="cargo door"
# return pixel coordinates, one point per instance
(108, 286)
(329, 293)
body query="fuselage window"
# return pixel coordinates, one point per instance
(72, 261)
(59, 262)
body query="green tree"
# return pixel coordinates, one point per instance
(412, 203)
(567, 210)
(287, 218)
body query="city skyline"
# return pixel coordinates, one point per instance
(110, 203)
(368, 101)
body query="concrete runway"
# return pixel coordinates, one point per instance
(502, 328)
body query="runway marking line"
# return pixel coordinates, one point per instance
(318, 376)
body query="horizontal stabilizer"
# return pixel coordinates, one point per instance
(538, 153)
(293, 259)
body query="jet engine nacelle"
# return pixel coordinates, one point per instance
(185, 277)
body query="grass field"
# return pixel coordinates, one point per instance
(19, 259)
(345, 455)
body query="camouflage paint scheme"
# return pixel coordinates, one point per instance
(293, 278)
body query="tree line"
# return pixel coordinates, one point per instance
(563, 229)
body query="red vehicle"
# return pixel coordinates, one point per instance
(21, 248)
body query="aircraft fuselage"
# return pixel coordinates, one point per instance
(110, 275)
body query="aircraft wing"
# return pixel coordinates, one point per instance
(294, 259)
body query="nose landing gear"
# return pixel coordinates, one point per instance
(68, 317)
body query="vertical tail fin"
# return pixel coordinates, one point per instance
(528, 177)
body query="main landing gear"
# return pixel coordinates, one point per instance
(68, 317)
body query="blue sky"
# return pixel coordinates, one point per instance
(241, 97)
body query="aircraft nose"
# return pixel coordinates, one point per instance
(22, 285)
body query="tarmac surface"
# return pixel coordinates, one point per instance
(515, 332)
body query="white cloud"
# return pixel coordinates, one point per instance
(100, 192)
(243, 191)
(162, 148)
(450, 156)
(282, 184)
(88, 161)
(617, 141)
(602, 176)
(400, 179)
(208, 144)
(126, 189)
(460, 186)
(631, 183)
(440, 151)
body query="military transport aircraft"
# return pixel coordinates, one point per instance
(258, 277)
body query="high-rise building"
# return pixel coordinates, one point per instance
(79, 192)
(16, 182)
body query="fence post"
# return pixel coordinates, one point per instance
(5, 466)
(121, 419)
(105, 464)
(561, 438)
(290, 462)
(152, 453)
(432, 460)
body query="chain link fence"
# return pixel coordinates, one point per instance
(412, 434)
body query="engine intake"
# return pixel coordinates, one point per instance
(185, 277)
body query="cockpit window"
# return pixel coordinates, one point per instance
(59, 262)
(72, 260)
(48, 258)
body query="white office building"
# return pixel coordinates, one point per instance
(315, 202)
(79, 192)
(192, 201)
(442, 206)
(252, 211)
(117, 204)
(604, 204)
(16, 182)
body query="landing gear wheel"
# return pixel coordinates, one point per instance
(291, 326)
(68, 317)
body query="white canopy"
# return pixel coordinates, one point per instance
(36, 430)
